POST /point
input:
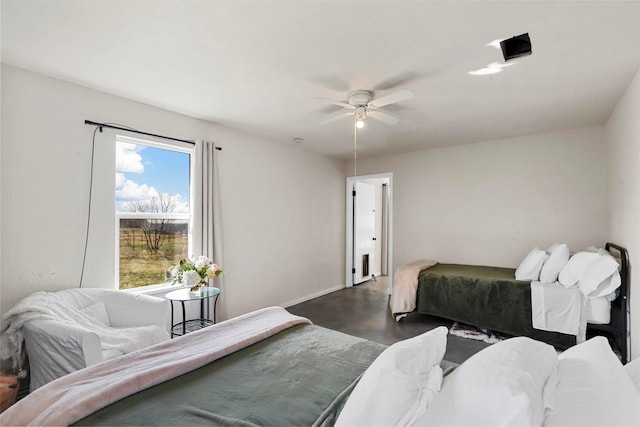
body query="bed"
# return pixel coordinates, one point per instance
(273, 368)
(281, 360)
(485, 297)
(491, 298)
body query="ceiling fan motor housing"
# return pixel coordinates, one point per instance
(360, 97)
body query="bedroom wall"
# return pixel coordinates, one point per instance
(489, 203)
(623, 134)
(268, 217)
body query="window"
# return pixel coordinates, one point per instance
(152, 209)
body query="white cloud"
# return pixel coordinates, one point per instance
(127, 158)
(130, 191)
(120, 180)
(181, 205)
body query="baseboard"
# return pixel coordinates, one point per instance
(312, 296)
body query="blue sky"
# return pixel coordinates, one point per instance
(143, 172)
(167, 171)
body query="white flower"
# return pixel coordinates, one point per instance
(213, 270)
(190, 278)
(195, 269)
(201, 261)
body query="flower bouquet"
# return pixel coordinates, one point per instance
(194, 271)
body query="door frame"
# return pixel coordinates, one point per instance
(350, 182)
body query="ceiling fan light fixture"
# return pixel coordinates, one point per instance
(361, 115)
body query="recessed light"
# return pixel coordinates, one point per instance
(298, 140)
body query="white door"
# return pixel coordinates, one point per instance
(364, 231)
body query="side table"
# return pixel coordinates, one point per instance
(183, 295)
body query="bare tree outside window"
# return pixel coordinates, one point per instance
(155, 231)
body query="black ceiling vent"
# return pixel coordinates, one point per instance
(515, 47)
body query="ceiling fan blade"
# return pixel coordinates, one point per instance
(383, 117)
(338, 116)
(331, 101)
(392, 98)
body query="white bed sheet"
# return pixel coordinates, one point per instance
(599, 310)
(566, 310)
(558, 309)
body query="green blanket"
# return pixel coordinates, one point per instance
(485, 297)
(299, 377)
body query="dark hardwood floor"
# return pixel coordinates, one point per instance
(363, 311)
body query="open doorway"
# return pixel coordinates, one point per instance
(369, 231)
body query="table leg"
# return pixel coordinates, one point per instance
(172, 318)
(215, 302)
(184, 320)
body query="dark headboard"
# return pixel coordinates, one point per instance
(618, 327)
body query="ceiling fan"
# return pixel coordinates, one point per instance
(362, 104)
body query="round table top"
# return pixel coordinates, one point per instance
(185, 294)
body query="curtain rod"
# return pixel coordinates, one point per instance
(105, 125)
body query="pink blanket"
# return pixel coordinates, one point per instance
(74, 396)
(405, 287)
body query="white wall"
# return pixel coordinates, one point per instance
(490, 203)
(283, 206)
(623, 134)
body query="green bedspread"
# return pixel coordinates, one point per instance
(485, 297)
(299, 377)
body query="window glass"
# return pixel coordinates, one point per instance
(152, 210)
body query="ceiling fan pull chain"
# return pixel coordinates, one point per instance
(355, 149)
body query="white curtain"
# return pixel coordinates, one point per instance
(206, 226)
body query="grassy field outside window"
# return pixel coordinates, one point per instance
(141, 267)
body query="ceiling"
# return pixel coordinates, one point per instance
(259, 66)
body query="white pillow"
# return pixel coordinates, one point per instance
(558, 258)
(98, 312)
(594, 389)
(529, 268)
(399, 384)
(601, 277)
(510, 383)
(573, 271)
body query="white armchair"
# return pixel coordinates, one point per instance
(56, 348)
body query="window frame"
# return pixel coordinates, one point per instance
(181, 147)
